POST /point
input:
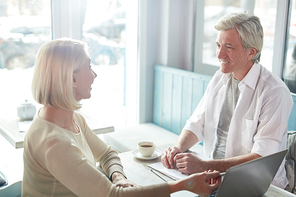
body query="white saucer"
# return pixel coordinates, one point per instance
(155, 155)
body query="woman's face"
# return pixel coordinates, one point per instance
(82, 81)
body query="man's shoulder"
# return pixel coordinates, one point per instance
(269, 79)
(272, 86)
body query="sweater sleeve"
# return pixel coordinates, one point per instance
(64, 161)
(159, 190)
(104, 154)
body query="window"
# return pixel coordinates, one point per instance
(289, 72)
(266, 10)
(209, 11)
(24, 27)
(106, 32)
(213, 10)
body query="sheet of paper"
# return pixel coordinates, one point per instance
(173, 173)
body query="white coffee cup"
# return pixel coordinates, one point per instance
(146, 148)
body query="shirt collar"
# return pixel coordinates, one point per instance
(252, 76)
(250, 79)
(225, 78)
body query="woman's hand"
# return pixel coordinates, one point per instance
(120, 181)
(203, 184)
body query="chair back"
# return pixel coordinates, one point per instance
(11, 190)
(290, 162)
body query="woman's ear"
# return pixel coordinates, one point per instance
(74, 81)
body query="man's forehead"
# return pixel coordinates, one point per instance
(228, 37)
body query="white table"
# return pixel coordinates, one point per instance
(138, 172)
(11, 163)
(9, 129)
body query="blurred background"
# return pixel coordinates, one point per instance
(126, 38)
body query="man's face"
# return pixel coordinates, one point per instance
(231, 54)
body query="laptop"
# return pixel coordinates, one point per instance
(252, 178)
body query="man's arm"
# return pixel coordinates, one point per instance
(189, 163)
(224, 164)
(186, 140)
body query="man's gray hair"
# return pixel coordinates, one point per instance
(249, 29)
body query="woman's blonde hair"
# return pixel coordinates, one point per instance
(56, 61)
(248, 27)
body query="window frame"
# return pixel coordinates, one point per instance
(67, 18)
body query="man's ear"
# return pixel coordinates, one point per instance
(252, 53)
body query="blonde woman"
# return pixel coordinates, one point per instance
(60, 150)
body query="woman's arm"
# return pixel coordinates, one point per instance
(203, 183)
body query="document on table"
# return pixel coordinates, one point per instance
(173, 173)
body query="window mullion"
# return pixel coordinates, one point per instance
(68, 18)
(280, 37)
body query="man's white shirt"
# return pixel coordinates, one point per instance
(259, 122)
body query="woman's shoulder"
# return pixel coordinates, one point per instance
(79, 118)
(43, 134)
(39, 125)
